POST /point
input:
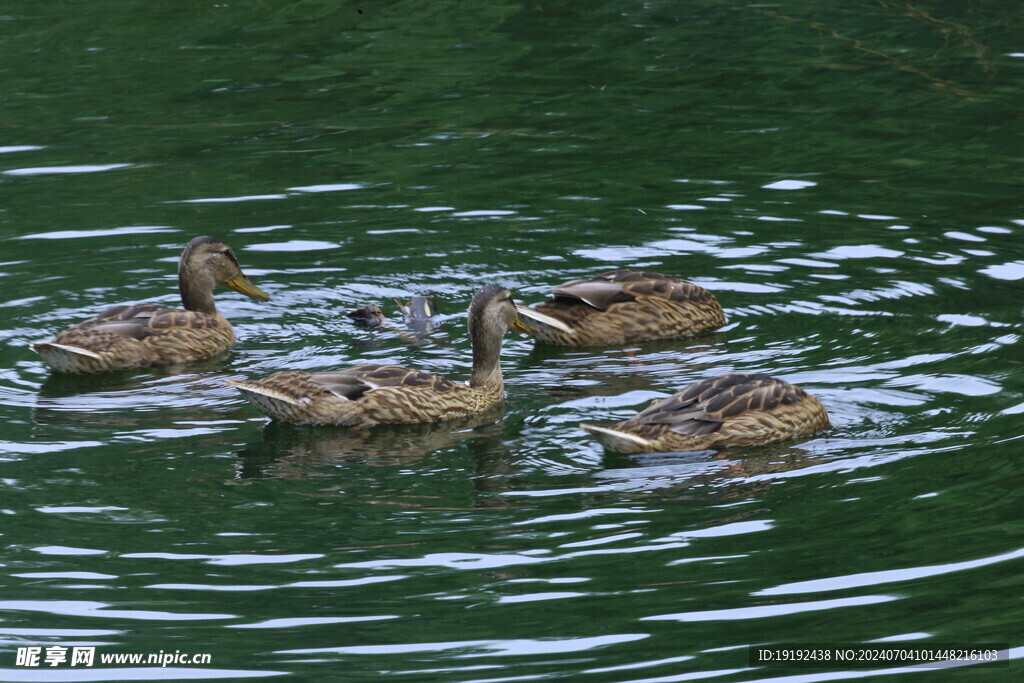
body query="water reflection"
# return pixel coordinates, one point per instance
(701, 474)
(563, 374)
(132, 397)
(299, 451)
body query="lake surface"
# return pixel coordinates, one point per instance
(846, 177)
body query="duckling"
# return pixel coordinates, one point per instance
(371, 393)
(623, 306)
(417, 309)
(368, 315)
(131, 336)
(729, 410)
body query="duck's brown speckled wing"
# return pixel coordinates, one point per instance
(703, 408)
(617, 286)
(355, 382)
(139, 321)
(124, 321)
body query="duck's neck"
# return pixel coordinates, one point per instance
(196, 289)
(486, 367)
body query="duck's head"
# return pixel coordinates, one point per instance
(496, 301)
(492, 312)
(207, 263)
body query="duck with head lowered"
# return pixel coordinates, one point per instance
(131, 336)
(728, 410)
(371, 393)
(623, 306)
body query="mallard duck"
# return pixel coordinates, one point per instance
(131, 336)
(371, 393)
(623, 306)
(730, 410)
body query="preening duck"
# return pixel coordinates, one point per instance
(623, 306)
(370, 393)
(730, 410)
(131, 336)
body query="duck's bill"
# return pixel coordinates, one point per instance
(532, 314)
(519, 326)
(242, 285)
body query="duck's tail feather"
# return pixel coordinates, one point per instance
(618, 441)
(46, 348)
(250, 389)
(543, 318)
(274, 403)
(66, 358)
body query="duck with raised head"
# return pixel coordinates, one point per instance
(729, 410)
(371, 393)
(623, 306)
(131, 336)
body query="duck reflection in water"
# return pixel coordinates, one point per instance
(707, 475)
(290, 451)
(565, 373)
(130, 397)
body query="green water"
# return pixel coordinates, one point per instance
(844, 176)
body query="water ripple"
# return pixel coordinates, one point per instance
(480, 648)
(85, 608)
(774, 610)
(59, 170)
(886, 576)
